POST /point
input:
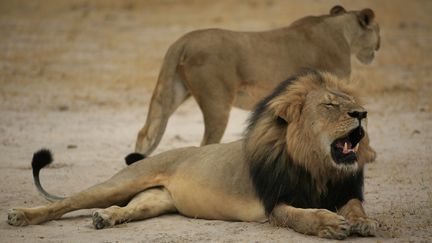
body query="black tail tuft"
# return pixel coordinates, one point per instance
(41, 159)
(134, 157)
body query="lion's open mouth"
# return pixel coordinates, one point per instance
(344, 150)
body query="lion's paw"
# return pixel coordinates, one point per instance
(17, 218)
(364, 226)
(102, 220)
(332, 226)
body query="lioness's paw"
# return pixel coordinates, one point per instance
(17, 218)
(332, 226)
(364, 226)
(101, 220)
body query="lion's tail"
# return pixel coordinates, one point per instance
(41, 159)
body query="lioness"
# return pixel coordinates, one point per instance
(222, 68)
(300, 165)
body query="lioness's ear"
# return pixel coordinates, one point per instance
(338, 9)
(366, 16)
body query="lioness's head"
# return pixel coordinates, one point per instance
(315, 121)
(364, 33)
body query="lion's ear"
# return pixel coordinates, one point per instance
(338, 9)
(366, 17)
(289, 106)
(289, 111)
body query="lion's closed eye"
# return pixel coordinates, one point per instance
(331, 105)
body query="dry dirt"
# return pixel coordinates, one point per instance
(76, 77)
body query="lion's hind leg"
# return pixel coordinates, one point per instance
(320, 222)
(119, 189)
(149, 203)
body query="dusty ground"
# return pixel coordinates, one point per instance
(77, 76)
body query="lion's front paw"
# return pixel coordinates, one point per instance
(332, 226)
(364, 226)
(102, 220)
(17, 218)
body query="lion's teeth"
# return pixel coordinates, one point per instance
(356, 148)
(345, 149)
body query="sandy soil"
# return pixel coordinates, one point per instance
(76, 77)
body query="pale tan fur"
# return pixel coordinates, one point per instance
(222, 68)
(214, 182)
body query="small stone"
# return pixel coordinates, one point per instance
(63, 108)
(415, 132)
(72, 146)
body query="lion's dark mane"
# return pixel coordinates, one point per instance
(277, 179)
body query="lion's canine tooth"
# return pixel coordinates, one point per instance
(356, 147)
(345, 149)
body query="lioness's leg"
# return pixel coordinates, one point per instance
(100, 196)
(147, 204)
(215, 103)
(360, 224)
(167, 97)
(320, 222)
(214, 90)
(216, 116)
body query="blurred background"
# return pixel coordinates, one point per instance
(116, 47)
(77, 76)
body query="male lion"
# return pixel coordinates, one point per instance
(300, 166)
(222, 68)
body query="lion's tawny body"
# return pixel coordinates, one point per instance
(299, 166)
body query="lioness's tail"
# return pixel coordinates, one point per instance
(41, 159)
(170, 92)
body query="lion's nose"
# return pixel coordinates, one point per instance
(358, 114)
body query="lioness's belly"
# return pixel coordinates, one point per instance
(199, 201)
(249, 95)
